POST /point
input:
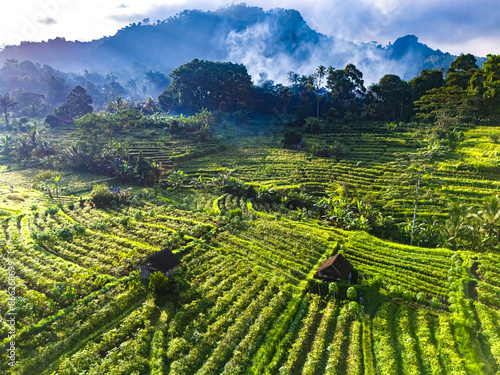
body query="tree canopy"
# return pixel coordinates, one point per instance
(79, 103)
(206, 84)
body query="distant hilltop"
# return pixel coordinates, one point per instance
(274, 42)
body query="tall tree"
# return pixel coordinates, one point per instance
(491, 84)
(79, 103)
(7, 103)
(464, 63)
(149, 106)
(31, 104)
(211, 85)
(320, 74)
(445, 106)
(117, 104)
(428, 79)
(285, 96)
(345, 85)
(147, 171)
(292, 77)
(393, 92)
(461, 71)
(488, 217)
(57, 90)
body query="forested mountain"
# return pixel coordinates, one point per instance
(274, 42)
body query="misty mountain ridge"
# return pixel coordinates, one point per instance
(269, 42)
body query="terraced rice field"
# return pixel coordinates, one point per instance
(243, 300)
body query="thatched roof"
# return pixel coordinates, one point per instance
(336, 267)
(162, 261)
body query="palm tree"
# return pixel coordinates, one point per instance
(6, 102)
(455, 229)
(150, 105)
(117, 104)
(292, 77)
(74, 155)
(488, 217)
(45, 151)
(24, 148)
(320, 74)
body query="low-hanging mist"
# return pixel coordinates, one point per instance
(271, 42)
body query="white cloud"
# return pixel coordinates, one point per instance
(451, 25)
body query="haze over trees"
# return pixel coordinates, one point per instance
(245, 35)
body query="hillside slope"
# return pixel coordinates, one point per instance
(274, 41)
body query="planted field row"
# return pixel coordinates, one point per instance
(416, 269)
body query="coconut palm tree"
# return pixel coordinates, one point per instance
(320, 74)
(455, 230)
(292, 77)
(24, 148)
(75, 155)
(45, 151)
(150, 106)
(117, 104)
(487, 219)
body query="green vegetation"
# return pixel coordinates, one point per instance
(252, 217)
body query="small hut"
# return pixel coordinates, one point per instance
(163, 261)
(335, 268)
(65, 119)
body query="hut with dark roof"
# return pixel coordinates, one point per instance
(65, 119)
(335, 268)
(163, 261)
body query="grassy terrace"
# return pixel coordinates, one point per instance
(244, 300)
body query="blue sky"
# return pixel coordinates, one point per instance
(453, 26)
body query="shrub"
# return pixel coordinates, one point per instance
(15, 197)
(333, 288)
(435, 303)
(409, 295)
(174, 127)
(78, 228)
(46, 175)
(176, 179)
(158, 283)
(65, 234)
(395, 291)
(353, 306)
(101, 196)
(237, 188)
(421, 298)
(52, 210)
(291, 138)
(313, 125)
(235, 213)
(124, 220)
(352, 293)
(176, 348)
